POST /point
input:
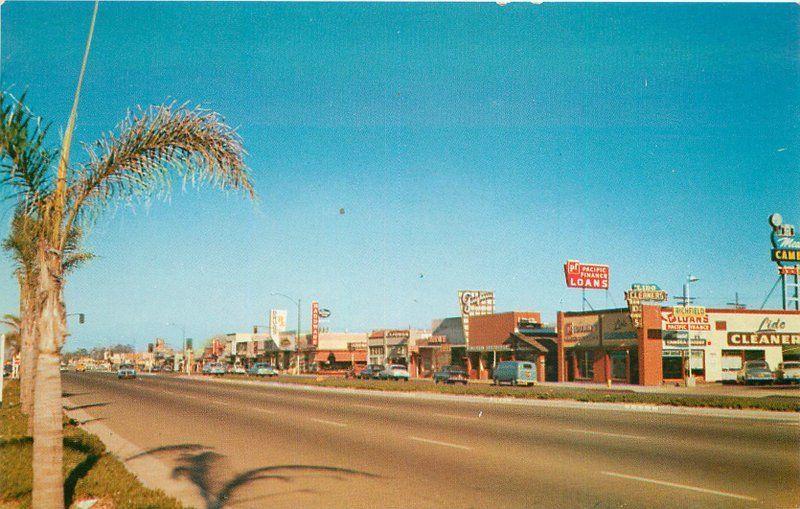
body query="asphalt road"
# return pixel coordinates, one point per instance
(373, 451)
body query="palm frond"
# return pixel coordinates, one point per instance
(149, 148)
(21, 242)
(24, 160)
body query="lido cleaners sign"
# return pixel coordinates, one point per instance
(771, 332)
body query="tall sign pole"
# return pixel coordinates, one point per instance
(786, 253)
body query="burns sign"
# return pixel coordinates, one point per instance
(473, 303)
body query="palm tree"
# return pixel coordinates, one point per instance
(136, 162)
(12, 323)
(21, 244)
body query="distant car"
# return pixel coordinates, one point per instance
(789, 372)
(126, 371)
(370, 372)
(237, 369)
(755, 372)
(515, 373)
(262, 369)
(155, 368)
(451, 375)
(80, 368)
(166, 368)
(214, 368)
(395, 372)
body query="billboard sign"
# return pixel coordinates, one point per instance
(586, 275)
(474, 303)
(314, 323)
(277, 323)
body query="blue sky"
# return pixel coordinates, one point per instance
(474, 145)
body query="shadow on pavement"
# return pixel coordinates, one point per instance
(197, 463)
(87, 405)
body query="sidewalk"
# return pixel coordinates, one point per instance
(710, 389)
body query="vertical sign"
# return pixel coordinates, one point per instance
(277, 324)
(474, 303)
(314, 323)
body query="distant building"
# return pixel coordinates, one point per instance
(397, 346)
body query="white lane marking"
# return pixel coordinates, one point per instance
(330, 423)
(682, 486)
(371, 407)
(605, 433)
(453, 416)
(445, 444)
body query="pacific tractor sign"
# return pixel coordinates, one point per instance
(586, 275)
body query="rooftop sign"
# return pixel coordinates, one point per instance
(586, 275)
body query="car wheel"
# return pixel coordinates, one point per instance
(514, 382)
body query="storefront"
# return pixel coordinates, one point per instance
(602, 346)
(722, 340)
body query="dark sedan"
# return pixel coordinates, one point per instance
(451, 375)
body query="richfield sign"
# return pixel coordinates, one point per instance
(689, 318)
(474, 303)
(586, 275)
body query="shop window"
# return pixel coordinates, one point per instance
(731, 360)
(585, 364)
(754, 355)
(653, 333)
(619, 363)
(672, 365)
(698, 363)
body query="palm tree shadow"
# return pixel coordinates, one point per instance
(196, 463)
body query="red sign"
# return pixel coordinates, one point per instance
(586, 275)
(314, 323)
(790, 270)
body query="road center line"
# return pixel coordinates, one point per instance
(330, 423)
(371, 407)
(604, 433)
(454, 416)
(682, 486)
(445, 444)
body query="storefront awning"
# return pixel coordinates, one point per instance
(340, 355)
(523, 342)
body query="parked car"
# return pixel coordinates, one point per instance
(126, 371)
(155, 368)
(515, 373)
(370, 372)
(262, 369)
(789, 372)
(451, 375)
(395, 372)
(80, 368)
(214, 368)
(167, 368)
(755, 372)
(237, 369)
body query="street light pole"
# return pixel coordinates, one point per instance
(297, 335)
(686, 300)
(183, 339)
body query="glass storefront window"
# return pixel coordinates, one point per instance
(585, 364)
(619, 363)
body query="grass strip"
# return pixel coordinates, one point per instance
(89, 471)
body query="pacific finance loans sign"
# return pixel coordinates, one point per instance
(586, 275)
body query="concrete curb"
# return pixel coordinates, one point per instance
(151, 471)
(764, 415)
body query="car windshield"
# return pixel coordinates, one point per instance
(757, 365)
(126, 366)
(398, 367)
(791, 365)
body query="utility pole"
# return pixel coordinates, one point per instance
(736, 304)
(686, 300)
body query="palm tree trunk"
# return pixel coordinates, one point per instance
(48, 479)
(28, 349)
